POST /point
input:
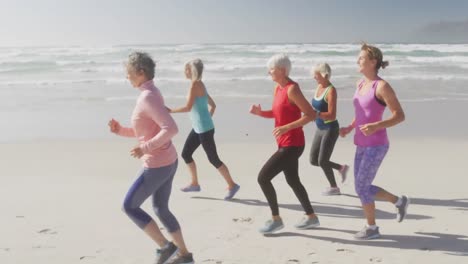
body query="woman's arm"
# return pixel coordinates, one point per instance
(346, 130)
(117, 129)
(126, 132)
(212, 105)
(155, 109)
(296, 97)
(386, 93)
(257, 110)
(190, 100)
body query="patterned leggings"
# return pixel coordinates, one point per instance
(366, 163)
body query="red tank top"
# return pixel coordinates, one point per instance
(285, 113)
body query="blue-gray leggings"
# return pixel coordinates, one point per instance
(158, 183)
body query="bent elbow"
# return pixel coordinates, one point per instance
(174, 130)
(310, 117)
(402, 116)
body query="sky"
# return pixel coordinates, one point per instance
(119, 22)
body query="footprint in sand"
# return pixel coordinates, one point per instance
(47, 231)
(87, 257)
(344, 250)
(214, 261)
(242, 220)
(43, 247)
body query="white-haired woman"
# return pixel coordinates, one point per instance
(328, 129)
(202, 129)
(373, 95)
(154, 128)
(291, 112)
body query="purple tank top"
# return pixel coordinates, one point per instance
(368, 110)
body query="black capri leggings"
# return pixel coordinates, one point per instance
(322, 149)
(286, 160)
(206, 139)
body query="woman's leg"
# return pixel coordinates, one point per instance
(161, 208)
(368, 160)
(191, 144)
(329, 139)
(291, 172)
(138, 193)
(209, 145)
(272, 167)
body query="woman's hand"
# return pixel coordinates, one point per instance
(256, 109)
(344, 131)
(278, 131)
(136, 152)
(114, 126)
(369, 129)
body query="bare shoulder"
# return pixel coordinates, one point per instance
(198, 88)
(384, 87)
(385, 91)
(294, 88)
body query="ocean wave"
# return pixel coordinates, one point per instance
(59, 82)
(433, 99)
(428, 77)
(234, 79)
(442, 48)
(445, 59)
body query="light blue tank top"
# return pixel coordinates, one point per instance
(200, 116)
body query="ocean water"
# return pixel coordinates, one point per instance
(48, 92)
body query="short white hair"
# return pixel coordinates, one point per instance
(280, 61)
(196, 69)
(324, 70)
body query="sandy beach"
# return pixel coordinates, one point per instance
(64, 176)
(61, 204)
(68, 68)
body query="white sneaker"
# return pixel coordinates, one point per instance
(331, 191)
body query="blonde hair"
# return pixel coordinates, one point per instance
(324, 70)
(375, 53)
(196, 69)
(280, 61)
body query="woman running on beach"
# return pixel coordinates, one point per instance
(202, 129)
(372, 96)
(288, 105)
(328, 130)
(154, 128)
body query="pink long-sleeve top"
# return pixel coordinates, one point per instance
(153, 126)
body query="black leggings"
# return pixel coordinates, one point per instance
(322, 149)
(285, 160)
(206, 139)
